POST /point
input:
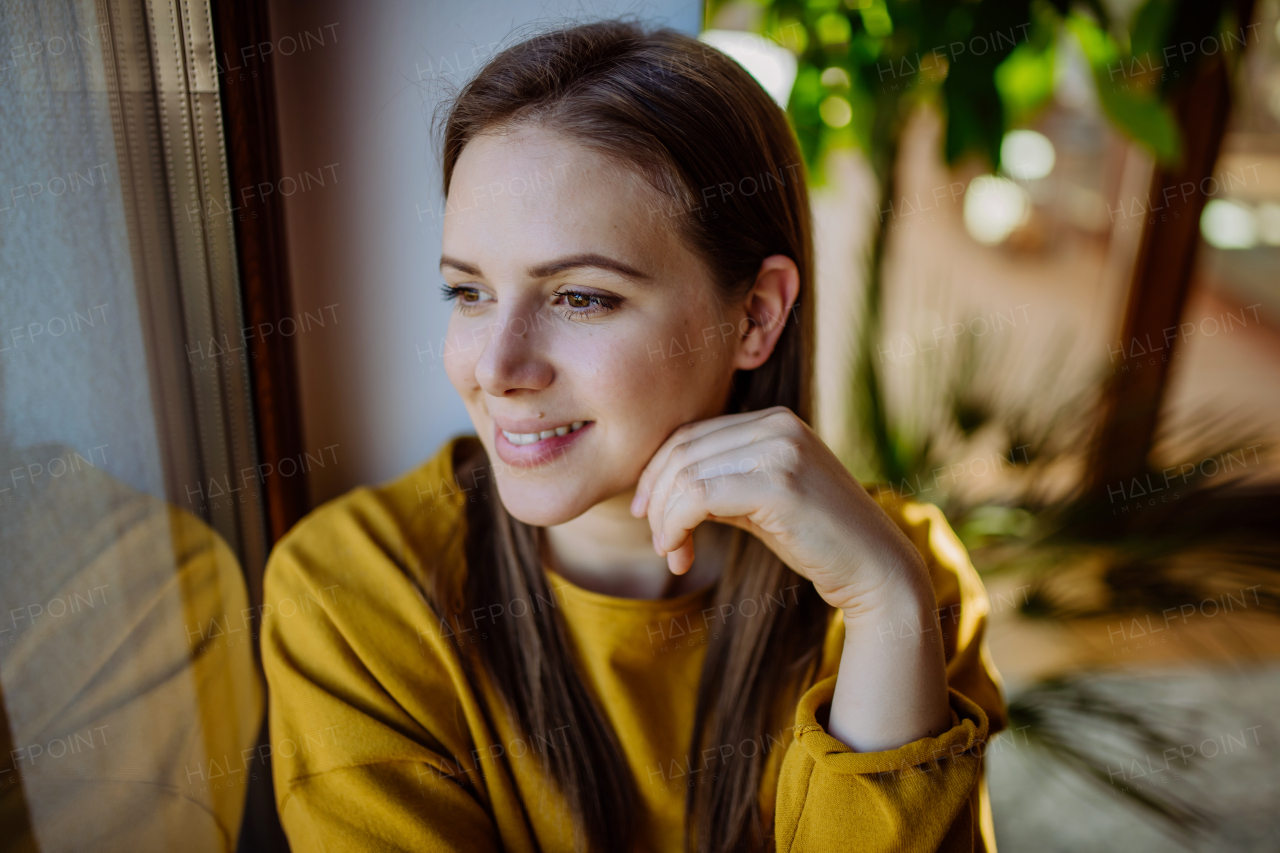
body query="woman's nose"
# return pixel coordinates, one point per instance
(512, 358)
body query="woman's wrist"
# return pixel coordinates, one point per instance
(905, 593)
(883, 627)
(891, 688)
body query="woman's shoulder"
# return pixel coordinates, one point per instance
(350, 640)
(410, 526)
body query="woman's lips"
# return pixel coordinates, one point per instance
(540, 452)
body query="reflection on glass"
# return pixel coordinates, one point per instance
(127, 677)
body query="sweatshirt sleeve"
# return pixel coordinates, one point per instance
(927, 795)
(354, 768)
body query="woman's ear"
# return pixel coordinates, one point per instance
(767, 307)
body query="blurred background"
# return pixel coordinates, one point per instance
(1049, 286)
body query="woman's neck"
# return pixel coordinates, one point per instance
(609, 551)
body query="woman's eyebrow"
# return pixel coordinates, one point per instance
(589, 259)
(461, 266)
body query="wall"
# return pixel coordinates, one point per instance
(356, 84)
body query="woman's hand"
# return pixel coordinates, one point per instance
(768, 473)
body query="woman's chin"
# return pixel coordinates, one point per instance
(542, 507)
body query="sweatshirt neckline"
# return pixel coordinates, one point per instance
(679, 603)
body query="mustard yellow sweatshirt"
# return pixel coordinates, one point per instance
(380, 743)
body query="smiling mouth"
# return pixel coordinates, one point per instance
(521, 439)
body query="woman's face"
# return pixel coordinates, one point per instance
(584, 331)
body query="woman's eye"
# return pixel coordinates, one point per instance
(585, 304)
(462, 294)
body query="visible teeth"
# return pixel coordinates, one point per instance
(523, 438)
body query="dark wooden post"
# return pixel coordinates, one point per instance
(253, 158)
(1161, 280)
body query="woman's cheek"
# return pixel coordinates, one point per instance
(623, 363)
(459, 359)
(659, 388)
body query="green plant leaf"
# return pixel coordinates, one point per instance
(975, 118)
(833, 28)
(1139, 113)
(1150, 28)
(1146, 120)
(1025, 81)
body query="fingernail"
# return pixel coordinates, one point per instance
(635, 503)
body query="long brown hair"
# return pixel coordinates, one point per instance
(721, 152)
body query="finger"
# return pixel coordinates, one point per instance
(753, 454)
(680, 560)
(749, 453)
(684, 434)
(733, 438)
(743, 439)
(727, 496)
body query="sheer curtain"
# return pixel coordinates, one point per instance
(130, 503)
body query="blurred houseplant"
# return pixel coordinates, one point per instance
(988, 66)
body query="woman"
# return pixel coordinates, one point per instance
(648, 609)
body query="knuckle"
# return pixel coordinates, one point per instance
(789, 448)
(782, 421)
(701, 489)
(785, 419)
(686, 476)
(770, 477)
